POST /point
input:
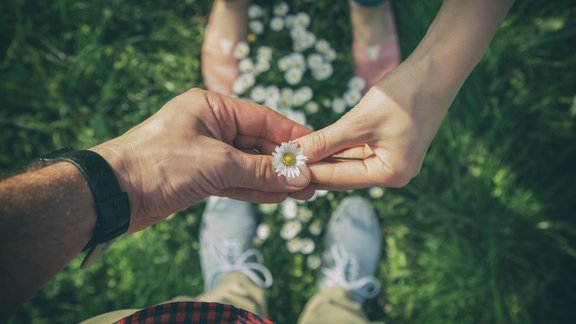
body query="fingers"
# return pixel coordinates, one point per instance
(255, 120)
(256, 196)
(257, 172)
(355, 174)
(327, 141)
(250, 142)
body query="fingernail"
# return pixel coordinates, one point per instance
(301, 181)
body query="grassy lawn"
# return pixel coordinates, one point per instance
(486, 233)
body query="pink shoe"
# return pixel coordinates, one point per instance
(219, 66)
(373, 62)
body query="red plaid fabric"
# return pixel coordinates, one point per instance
(193, 312)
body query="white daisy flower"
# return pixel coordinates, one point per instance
(314, 61)
(241, 50)
(298, 33)
(255, 11)
(308, 40)
(288, 158)
(268, 208)
(322, 46)
(327, 103)
(330, 55)
(293, 76)
(276, 24)
(313, 262)
(315, 228)
(302, 19)
(246, 65)
(307, 246)
(272, 93)
(290, 229)
(289, 208)
(264, 53)
(258, 94)
(338, 105)
(296, 116)
(284, 63)
(312, 107)
(297, 61)
(263, 231)
(298, 99)
(286, 93)
(356, 83)
(324, 71)
(294, 245)
(376, 192)
(243, 82)
(306, 93)
(262, 66)
(284, 105)
(305, 214)
(281, 9)
(256, 27)
(352, 97)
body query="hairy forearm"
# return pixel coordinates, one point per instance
(46, 218)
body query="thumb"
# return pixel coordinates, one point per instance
(257, 172)
(331, 139)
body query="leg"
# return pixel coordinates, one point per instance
(350, 259)
(232, 269)
(375, 43)
(227, 25)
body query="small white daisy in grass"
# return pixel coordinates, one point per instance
(263, 231)
(294, 245)
(307, 246)
(288, 158)
(313, 262)
(315, 228)
(289, 209)
(255, 11)
(268, 208)
(276, 24)
(376, 192)
(241, 50)
(290, 229)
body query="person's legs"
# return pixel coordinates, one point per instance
(375, 42)
(233, 271)
(350, 259)
(227, 25)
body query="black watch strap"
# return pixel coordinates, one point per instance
(112, 204)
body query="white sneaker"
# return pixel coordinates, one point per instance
(226, 235)
(352, 250)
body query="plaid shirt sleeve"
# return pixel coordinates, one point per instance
(193, 312)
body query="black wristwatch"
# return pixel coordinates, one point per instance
(112, 204)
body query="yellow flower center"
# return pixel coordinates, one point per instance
(288, 159)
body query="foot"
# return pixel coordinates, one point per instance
(227, 26)
(375, 43)
(226, 233)
(352, 250)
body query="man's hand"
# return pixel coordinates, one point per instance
(200, 144)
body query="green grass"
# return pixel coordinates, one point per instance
(486, 233)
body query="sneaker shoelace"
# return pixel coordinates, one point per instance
(231, 258)
(344, 269)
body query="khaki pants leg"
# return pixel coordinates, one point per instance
(234, 289)
(332, 305)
